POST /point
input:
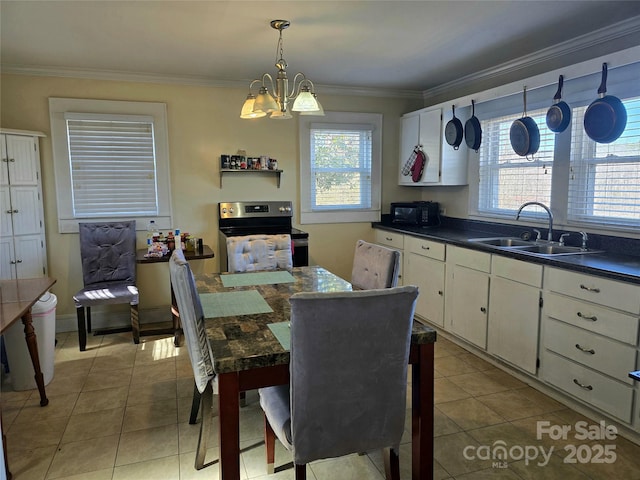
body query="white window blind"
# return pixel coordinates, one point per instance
(112, 161)
(340, 167)
(507, 180)
(604, 180)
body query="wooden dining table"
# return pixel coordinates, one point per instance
(248, 354)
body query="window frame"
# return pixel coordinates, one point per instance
(58, 108)
(340, 121)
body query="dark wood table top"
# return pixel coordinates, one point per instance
(245, 342)
(18, 296)
(206, 252)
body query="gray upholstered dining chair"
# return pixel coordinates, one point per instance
(343, 399)
(108, 253)
(374, 266)
(250, 253)
(192, 318)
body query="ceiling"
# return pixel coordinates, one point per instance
(410, 46)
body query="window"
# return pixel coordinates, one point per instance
(508, 180)
(111, 162)
(604, 179)
(340, 167)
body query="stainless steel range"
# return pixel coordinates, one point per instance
(253, 218)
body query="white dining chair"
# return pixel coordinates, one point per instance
(374, 266)
(252, 253)
(192, 319)
(348, 377)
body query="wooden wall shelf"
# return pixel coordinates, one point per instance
(246, 172)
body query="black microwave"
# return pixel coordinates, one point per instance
(415, 213)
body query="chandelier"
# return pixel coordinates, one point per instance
(276, 101)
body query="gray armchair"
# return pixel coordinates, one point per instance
(108, 252)
(374, 266)
(342, 398)
(251, 253)
(195, 335)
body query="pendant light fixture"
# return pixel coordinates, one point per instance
(275, 102)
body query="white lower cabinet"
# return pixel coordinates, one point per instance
(589, 339)
(396, 241)
(425, 267)
(467, 299)
(514, 312)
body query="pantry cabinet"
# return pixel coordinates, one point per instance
(425, 268)
(444, 165)
(467, 299)
(22, 234)
(514, 315)
(590, 339)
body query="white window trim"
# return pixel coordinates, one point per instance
(58, 107)
(307, 215)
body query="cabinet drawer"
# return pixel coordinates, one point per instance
(390, 239)
(517, 270)
(600, 353)
(427, 248)
(611, 396)
(622, 296)
(589, 316)
(469, 258)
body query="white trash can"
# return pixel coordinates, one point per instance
(21, 370)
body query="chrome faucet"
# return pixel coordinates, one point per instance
(550, 234)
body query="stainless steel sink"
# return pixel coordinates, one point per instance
(501, 241)
(518, 245)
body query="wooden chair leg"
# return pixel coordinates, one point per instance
(82, 329)
(206, 405)
(89, 319)
(270, 446)
(135, 324)
(391, 464)
(195, 405)
(301, 472)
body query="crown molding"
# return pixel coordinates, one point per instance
(191, 80)
(593, 39)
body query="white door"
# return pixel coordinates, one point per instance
(25, 204)
(22, 160)
(467, 300)
(29, 256)
(7, 256)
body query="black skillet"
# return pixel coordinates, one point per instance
(472, 130)
(559, 114)
(606, 117)
(453, 130)
(524, 133)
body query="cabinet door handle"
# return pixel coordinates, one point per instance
(585, 387)
(585, 350)
(483, 310)
(589, 289)
(9, 211)
(12, 159)
(593, 318)
(440, 292)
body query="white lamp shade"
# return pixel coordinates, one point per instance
(279, 115)
(265, 103)
(319, 113)
(305, 102)
(248, 109)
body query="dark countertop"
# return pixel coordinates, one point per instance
(608, 264)
(244, 342)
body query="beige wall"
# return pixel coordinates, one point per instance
(203, 123)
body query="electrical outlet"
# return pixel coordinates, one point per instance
(443, 211)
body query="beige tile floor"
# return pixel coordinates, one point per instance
(120, 411)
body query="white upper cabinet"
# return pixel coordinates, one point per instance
(443, 166)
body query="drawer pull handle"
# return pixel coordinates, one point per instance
(388, 239)
(589, 289)
(424, 248)
(593, 318)
(585, 350)
(585, 387)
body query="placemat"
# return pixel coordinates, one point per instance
(256, 278)
(282, 332)
(228, 304)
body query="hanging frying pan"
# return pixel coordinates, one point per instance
(472, 130)
(524, 133)
(606, 117)
(453, 130)
(559, 114)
